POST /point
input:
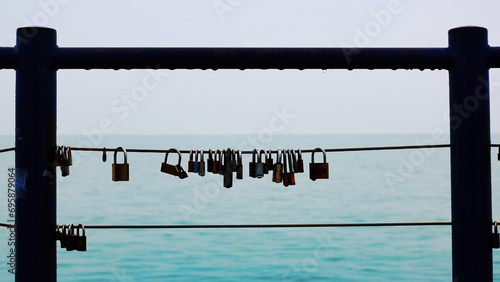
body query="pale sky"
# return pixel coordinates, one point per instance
(250, 101)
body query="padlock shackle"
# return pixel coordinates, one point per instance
(291, 159)
(83, 230)
(196, 155)
(279, 155)
(255, 153)
(300, 154)
(70, 229)
(202, 157)
(318, 150)
(285, 166)
(292, 151)
(173, 150)
(190, 155)
(496, 227)
(210, 154)
(265, 155)
(124, 154)
(240, 161)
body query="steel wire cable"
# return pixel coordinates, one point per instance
(281, 225)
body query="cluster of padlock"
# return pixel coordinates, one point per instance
(63, 159)
(228, 162)
(70, 237)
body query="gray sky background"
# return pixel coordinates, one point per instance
(248, 102)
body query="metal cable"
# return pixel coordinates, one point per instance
(306, 225)
(274, 151)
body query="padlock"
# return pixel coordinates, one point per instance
(228, 168)
(285, 174)
(495, 239)
(65, 161)
(318, 170)
(300, 162)
(264, 161)
(64, 236)
(196, 164)
(210, 162)
(58, 157)
(270, 161)
(295, 164)
(104, 156)
(221, 168)
(120, 171)
(80, 240)
(252, 166)
(239, 166)
(191, 161)
(69, 157)
(201, 165)
(233, 160)
(278, 167)
(175, 170)
(58, 232)
(216, 163)
(70, 240)
(291, 173)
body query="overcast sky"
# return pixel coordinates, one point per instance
(250, 101)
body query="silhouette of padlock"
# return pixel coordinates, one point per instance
(201, 164)
(70, 240)
(80, 240)
(318, 170)
(300, 162)
(175, 170)
(495, 239)
(239, 166)
(120, 171)
(278, 167)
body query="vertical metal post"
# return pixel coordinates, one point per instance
(470, 156)
(35, 144)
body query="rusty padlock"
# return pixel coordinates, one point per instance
(175, 170)
(318, 170)
(278, 167)
(120, 171)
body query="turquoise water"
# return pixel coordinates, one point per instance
(357, 191)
